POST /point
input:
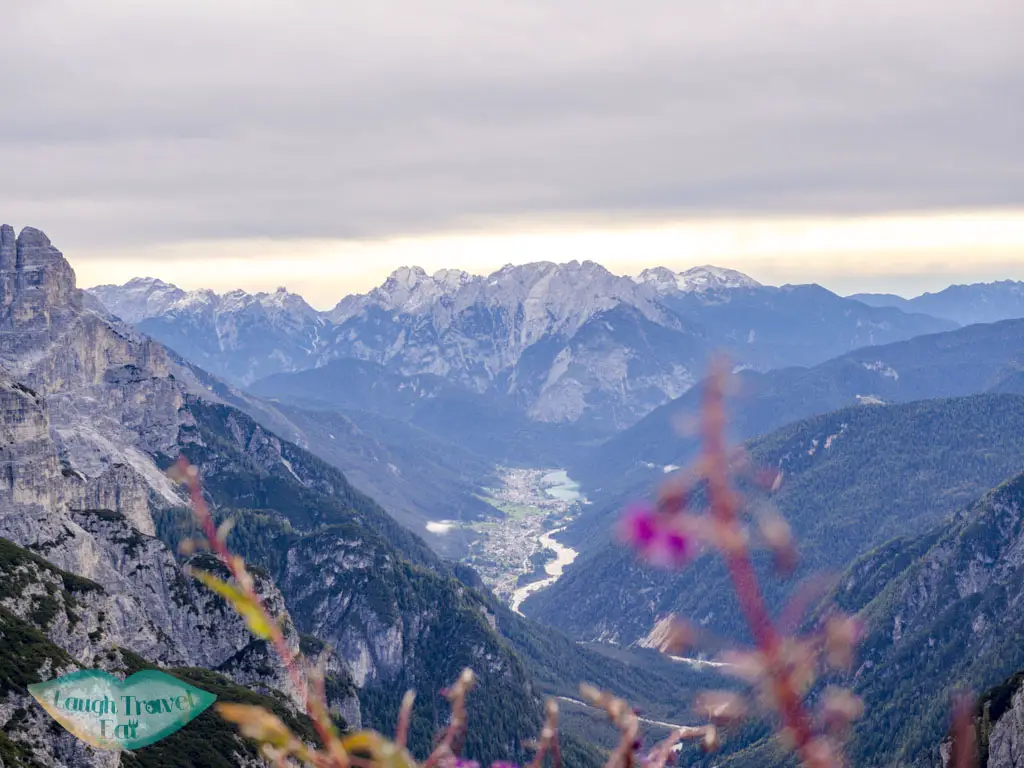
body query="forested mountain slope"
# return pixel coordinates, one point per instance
(851, 480)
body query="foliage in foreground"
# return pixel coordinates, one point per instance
(784, 670)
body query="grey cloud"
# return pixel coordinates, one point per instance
(130, 122)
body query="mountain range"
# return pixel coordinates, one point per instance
(963, 304)
(970, 360)
(554, 343)
(331, 438)
(852, 480)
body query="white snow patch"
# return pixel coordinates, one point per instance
(699, 663)
(288, 466)
(879, 367)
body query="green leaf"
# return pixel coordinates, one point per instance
(260, 624)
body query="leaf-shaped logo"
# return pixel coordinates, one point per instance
(113, 714)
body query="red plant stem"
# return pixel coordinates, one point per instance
(220, 548)
(723, 504)
(965, 753)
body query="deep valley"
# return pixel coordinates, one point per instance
(401, 473)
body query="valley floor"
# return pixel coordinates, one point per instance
(514, 551)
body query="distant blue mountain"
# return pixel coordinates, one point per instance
(978, 358)
(963, 304)
(567, 345)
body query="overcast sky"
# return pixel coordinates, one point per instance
(321, 143)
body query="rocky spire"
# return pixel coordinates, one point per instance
(37, 285)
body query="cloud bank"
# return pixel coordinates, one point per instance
(134, 124)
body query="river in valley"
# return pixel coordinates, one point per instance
(564, 557)
(532, 506)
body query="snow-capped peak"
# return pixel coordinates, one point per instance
(696, 280)
(139, 298)
(146, 297)
(411, 289)
(146, 283)
(709, 277)
(452, 279)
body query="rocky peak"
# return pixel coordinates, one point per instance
(405, 279)
(411, 289)
(284, 301)
(37, 285)
(139, 298)
(452, 278)
(660, 278)
(706, 278)
(149, 284)
(709, 277)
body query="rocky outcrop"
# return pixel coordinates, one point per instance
(237, 335)
(943, 612)
(109, 395)
(1006, 742)
(999, 727)
(86, 404)
(37, 289)
(54, 622)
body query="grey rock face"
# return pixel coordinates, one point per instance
(324, 579)
(154, 611)
(237, 335)
(517, 333)
(85, 405)
(37, 286)
(1006, 742)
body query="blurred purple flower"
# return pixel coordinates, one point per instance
(638, 527)
(654, 537)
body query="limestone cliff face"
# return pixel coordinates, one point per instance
(62, 622)
(109, 393)
(85, 405)
(32, 476)
(37, 287)
(942, 612)
(1006, 739)
(149, 606)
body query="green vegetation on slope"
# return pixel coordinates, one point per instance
(209, 740)
(852, 479)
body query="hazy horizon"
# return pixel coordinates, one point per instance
(866, 147)
(906, 256)
(324, 294)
